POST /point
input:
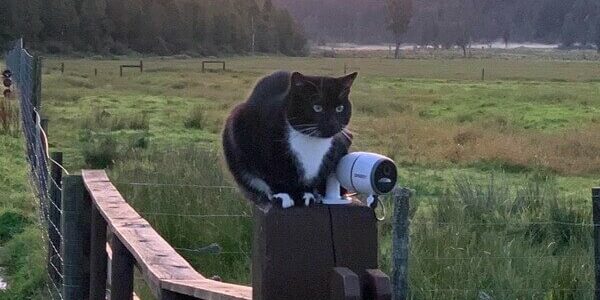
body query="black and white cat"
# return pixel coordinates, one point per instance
(287, 138)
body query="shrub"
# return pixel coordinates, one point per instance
(105, 120)
(100, 152)
(11, 224)
(196, 119)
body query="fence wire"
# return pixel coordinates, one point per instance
(23, 67)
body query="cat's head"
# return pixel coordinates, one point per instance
(319, 106)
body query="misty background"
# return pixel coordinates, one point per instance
(289, 27)
(440, 22)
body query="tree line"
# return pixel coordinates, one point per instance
(451, 22)
(202, 27)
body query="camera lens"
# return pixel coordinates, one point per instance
(385, 176)
(387, 170)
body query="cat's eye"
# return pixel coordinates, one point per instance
(339, 108)
(318, 108)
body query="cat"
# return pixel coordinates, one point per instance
(287, 138)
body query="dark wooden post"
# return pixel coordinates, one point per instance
(596, 219)
(300, 265)
(400, 243)
(54, 228)
(62, 68)
(121, 71)
(76, 237)
(121, 277)
(95, 72)
(345, 285)
(98, 256)
(141, 66)
(223, 66)
(36, 88)
(203, 67)
(379, 286)
(483, 74)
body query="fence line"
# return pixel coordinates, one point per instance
(26, 70)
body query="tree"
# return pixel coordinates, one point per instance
(596, 31)
(61, 22)
(93, 23)
(26, 20)
(399, 15)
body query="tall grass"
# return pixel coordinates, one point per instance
(495, 241)
(186, 197)
(476, 238)
(9, 116)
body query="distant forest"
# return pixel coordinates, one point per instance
(201, 27)
(442, 22)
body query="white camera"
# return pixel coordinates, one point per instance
(364, 173)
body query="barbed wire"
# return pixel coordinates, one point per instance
(152, 184)
(195, 215)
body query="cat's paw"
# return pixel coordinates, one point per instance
(309, 198)
(286, 200)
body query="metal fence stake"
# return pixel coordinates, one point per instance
(400, 243)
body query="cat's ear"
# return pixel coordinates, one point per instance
(348, 80)
(298, 80)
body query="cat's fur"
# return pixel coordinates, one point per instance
(287, 138)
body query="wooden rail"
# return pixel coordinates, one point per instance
(135, 243)
(206, 62)
(121, 67)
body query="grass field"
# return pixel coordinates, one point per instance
(492, 162)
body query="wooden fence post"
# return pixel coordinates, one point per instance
(400, 243)
(75, 224)
(98, 256)
(345, 285)
(121, 71)
(483, 74)
(121, 266)
(54, 230)
(299, 266)
(62, 68)
(141, 66)
(596, 220)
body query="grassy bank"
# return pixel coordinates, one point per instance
(21, 251)
(487, 159)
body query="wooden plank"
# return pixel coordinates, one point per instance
(160, 264)
(205, 289)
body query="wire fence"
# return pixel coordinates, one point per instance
(445, 259)
(26, 72)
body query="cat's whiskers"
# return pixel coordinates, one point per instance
(304, 130)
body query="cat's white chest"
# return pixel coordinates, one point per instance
(309, 152)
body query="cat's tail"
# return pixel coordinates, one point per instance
(253, 188)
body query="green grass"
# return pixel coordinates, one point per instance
(21, 252)
(532, 125)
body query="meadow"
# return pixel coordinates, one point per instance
(501, 168)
